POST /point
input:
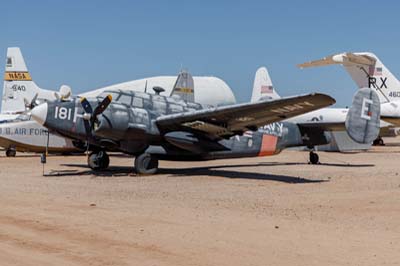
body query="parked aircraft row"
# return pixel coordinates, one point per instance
(18, 132)
(191, 119)
(368, 71)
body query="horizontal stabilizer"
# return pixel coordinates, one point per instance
(343, 58)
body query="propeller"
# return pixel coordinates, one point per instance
(30, 105)
(90, 115)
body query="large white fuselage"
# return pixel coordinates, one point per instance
(325, 115)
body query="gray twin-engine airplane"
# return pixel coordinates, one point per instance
(152, 127)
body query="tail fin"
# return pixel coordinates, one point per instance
(367, 71)
(363, 119)
(262, 86)
(18, 87)
(184, 86)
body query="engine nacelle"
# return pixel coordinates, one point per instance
(112, 124)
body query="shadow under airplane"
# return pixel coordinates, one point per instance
(215, 171)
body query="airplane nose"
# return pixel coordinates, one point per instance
(39, 113)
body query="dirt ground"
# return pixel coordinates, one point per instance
(255, 211)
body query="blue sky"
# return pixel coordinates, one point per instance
(90, 44)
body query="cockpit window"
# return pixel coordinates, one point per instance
(114, 95)
(142, 95)
(137, 102)
(125, 99)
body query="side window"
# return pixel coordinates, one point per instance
(125, 99)
(160, 107)
(142, 95)
(147, 104)
(137, 102)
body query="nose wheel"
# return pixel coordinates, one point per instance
(98, 160)
(314, 158)
(146, 164)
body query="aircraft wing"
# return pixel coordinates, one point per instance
(344, 58)
(226, 121)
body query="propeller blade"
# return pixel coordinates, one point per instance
(88, 127)
(26, 102)
(30, 105)
(88, 109)
(86, 106)
(33, 102)
(102, 106)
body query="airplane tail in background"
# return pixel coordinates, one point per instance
(367, 71)
(363, 118)
(18, 87)
(184, 87)
(262, 86)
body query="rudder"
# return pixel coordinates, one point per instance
(363, 119)
(262, 86)
(184, 87)
(18, 87)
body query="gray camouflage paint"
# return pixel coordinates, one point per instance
(128, 124)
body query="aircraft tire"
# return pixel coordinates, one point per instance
(11, 152)
(146, 164)
(314, 158)
(378, 142)
(99, 160)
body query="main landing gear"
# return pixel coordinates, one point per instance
(314, 158)
(98, 160)
(378, 142)
(11, 152)
(146, 164)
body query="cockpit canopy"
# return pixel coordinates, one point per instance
(155, 102)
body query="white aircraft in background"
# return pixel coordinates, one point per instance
(368, 71)
(20, 94)
(313, 122)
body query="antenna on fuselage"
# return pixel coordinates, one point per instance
(158, 90)
(145, 87)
